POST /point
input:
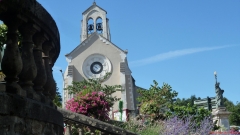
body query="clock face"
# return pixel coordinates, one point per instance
(96, 66)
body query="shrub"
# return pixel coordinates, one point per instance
(142, 127)
(185, 126)
(153, 102)
(91, 104)
(95, 85)
(182, 112)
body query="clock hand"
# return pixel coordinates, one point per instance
(95, 66)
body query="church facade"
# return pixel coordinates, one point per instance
(97, 55)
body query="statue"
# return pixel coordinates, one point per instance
(219, 95)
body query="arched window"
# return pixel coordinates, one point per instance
(99, 25)
(90, 26)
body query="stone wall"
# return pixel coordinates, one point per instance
(23, 116)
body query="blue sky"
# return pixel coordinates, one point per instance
(179, 42)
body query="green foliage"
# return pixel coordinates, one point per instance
(234, 118)
(153, 101)
(185, 102)
(151, 130)
(91, 85)
(3, 35)
(58, 98)
(184, 111)
(139, 127)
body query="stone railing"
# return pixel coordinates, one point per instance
(80, 121)
(26, 97)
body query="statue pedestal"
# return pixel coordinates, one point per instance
(221, 115)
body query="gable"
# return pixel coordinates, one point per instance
(95, 43)
(92, 7)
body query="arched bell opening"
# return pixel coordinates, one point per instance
(99, 26)
(90, 26)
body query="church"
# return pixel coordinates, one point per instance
(97, 55)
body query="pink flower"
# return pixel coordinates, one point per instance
(88, 105)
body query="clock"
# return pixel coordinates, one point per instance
(96, 66)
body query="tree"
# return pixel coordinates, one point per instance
(185, 102)
(58, 98)
(154, 101)
(234, 118)
(198, 116)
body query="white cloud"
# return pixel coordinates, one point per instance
(173, 54)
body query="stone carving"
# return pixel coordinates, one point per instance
(12, 62)
(47, 46)
(41, 77)
(29, 70)
(219, 95)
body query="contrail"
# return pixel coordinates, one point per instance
(173, 54)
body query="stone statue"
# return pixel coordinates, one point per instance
(219, 95)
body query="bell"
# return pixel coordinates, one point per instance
(90, 27)
(99, 26)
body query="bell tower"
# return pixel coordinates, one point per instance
(95, 20)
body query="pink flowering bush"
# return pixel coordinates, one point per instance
(93, 104)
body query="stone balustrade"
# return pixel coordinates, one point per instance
(80, 121)
(29, 88)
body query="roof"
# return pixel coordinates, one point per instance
(93, 5)
(95, 33)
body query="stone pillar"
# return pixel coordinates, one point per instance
(221, 115)
(29, 70)
(80, 131)
(47, 46)
(68, 130)
(41, 77)
(12, 62)
(53, 89)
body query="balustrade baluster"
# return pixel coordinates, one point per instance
(12, 62)
(29, 70)
(47, 46)
(80, 131)
(41, 77)
(52, 90)
(68, 130)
